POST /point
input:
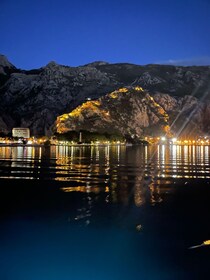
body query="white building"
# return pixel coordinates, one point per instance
(21, 132)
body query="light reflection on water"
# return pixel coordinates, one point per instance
(109, 168)
(61, 160)
(107, 217)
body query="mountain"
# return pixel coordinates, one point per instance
(130, 112)
(5, 65)
(188, 116)
(133, 112)
(35, 98)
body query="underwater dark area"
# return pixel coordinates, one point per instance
(112, 212)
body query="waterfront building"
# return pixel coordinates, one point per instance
(21, 132)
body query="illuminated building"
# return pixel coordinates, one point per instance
(21, 132)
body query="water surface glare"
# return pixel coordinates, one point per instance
(106, 212)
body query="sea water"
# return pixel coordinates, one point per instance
(104, 212)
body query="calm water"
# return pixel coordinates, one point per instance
(104, 212)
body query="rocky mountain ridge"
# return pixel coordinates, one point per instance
(35, 98)
(133, 112)
(130, 112)
(5, 64)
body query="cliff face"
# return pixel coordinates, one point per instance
(127, 111)
(134, 112)
(37, 97)
(188, 116)
(5, 65)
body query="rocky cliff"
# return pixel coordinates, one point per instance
(37, 97)
(188, 115)
(129, 111)
(135, 112)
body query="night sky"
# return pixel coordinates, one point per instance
(76, 32)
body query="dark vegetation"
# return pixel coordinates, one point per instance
(88, 137)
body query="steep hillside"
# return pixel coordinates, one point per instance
(135, 113)
(129, 111)
(35, 98)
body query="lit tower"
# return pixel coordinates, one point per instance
(80, 137)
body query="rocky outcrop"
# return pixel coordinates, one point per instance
(133, 112)
(5, 65)
(129, 111)
(188, 116)
(37, 97)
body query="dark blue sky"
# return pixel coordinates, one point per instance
(76, 32)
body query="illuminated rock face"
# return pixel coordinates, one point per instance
(129, 111)
(35, 98)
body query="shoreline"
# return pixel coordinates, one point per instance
(64, 145)
(99, 145)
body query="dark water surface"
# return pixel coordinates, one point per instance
(104, 212)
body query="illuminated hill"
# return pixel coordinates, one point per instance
(35, 98)
(129, 111)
